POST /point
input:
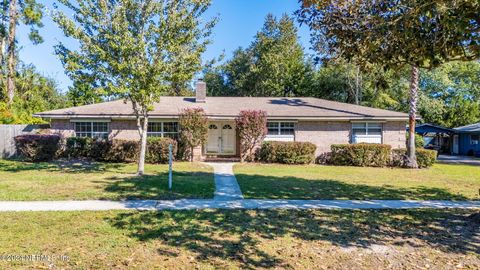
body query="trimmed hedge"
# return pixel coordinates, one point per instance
(37, 147)
(118, 150)
(76, 147)
(362, 154)
(100, 149)
(157, 149)
(425, 157)
(287, 152)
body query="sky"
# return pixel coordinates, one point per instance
(239, 21)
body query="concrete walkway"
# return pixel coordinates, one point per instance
(226, 185)
(458, 160)
(227, 196)
(233, 204)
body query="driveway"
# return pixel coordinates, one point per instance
(458, 160)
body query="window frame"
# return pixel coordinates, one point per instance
(91, 133)
(162, 133)
(279, 136)
(378, 125)
(476, 141)
(279, 128)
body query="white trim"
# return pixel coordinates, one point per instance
(279, 129)
(368, 121)
(220, 129)
(367, 138)
(213, 117)
(280, 138)
(91, 120)
(93, 133)
(162, 133)
(282, 120)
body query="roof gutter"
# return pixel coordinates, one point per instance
(227, 117)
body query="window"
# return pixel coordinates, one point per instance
(280, 131)
(474, 139)
(163, 129)
(272, 128)
(280, 128)
(91, 129)
(367, 133)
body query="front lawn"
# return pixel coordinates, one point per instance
(242, 239)
(440, 182)
(112, 181)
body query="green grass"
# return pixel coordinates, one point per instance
(113, 181)
(248, 239)
(440, 182)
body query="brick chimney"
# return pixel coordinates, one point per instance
(200, 91)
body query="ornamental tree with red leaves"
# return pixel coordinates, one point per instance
(252, 129)
(193, 128)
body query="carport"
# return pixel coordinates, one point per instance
(444, 140)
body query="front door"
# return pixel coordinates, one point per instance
(221, 138)
(455, 144)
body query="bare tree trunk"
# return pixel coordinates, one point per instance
(2, 52)
(354, 81)
(191, 153)
(358, 86)
(11, 52)
(411, 161)
(143, 145)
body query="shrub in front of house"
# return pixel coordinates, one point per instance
(37, 147)
(425, 157)
(287, 152)
(119, 150)
(252, 129)
(419, 142)
(194, 130)
(85, 147)
(362, 154)
(101, 149)
(76, 147)
(157, 149)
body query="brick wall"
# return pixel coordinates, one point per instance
(324, 134)
(62, 127)
(394, 134)
(321, 133)
(124, 130)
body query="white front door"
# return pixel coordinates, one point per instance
(221, 138)
(455, 144)
(214, 136)
(228, 139)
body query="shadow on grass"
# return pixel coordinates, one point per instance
(240, 235)
(184, 185)
(66, 166)
(260, 186)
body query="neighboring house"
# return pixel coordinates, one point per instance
(319, 121)
(457, 141)
(467, 140)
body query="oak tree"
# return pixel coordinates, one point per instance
(417, 33)
(132, 49)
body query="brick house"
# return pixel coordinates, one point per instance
(319, 121)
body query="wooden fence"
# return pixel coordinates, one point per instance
(8, 132)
